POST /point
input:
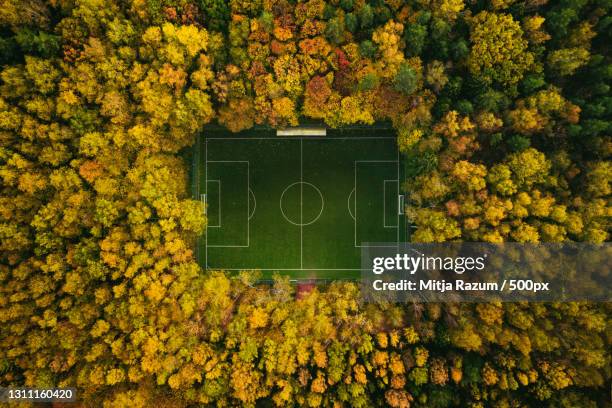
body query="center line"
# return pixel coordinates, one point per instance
(301, 205)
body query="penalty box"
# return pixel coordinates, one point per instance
(231, 230)
(378, 202)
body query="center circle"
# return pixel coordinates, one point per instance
(301, 203)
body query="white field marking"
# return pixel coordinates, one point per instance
(398, 191)
(352, 194)
(196, 193)
(301, 203)
(284, 269)
(229, 161)
(205, 186)
(228, 246)
(355, 215)
(248, 185)
(308, 138)
(400, 204)
(302, 183)
(247, 207)
(301, 162)
(355, 163)
(385, 204)
(218, 182)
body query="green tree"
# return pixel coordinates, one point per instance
(405, 79)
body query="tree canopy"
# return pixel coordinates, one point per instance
(502, 112)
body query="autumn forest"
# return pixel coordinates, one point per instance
(503, 114)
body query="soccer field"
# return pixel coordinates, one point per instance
(302, 206)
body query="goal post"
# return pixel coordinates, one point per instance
(203, 201)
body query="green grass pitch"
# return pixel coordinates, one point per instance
(300, 206)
